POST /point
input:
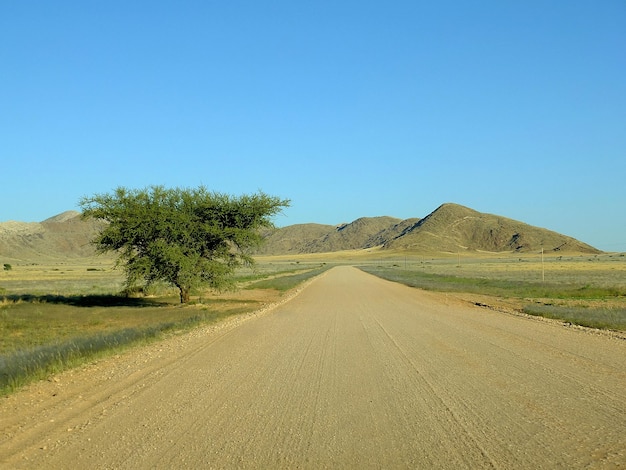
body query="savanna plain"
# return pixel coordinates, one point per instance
(319, 361)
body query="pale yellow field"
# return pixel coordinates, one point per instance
(594, 270)
(98, 275)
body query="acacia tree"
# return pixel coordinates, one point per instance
(185, 237)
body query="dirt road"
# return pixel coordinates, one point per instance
(354, 372)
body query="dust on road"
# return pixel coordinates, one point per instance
(354, 372)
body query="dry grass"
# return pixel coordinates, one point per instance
(53, 315)
(39, 337)
(89, 276)
(587, 290)
(56, 316)
(604, 270)
(583, 289)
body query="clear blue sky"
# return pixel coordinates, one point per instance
(348, 108)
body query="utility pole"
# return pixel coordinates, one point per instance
(543, 271)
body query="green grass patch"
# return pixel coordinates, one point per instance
(24, 366)
(591, 316)
(42, 333)
(41, 336)
(497, 287)
(602, 318)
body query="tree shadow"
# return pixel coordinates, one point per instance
(90, 300)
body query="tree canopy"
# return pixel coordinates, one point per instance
(186, 237)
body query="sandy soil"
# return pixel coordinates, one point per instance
(353, 372)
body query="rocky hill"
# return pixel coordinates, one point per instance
(65, 235)
(450, 228)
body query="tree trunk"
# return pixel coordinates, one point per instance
(184, 294)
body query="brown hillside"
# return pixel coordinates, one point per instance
(452, 227)
(391, 233)
(315, 238)
(294, 239)
(63, 236)
(355, 235)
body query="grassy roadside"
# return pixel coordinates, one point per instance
(40, 339)
(289, 280)
(44, 334)
(596, 306)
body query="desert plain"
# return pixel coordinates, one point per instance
(342, 369)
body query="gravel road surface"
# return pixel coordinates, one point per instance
(353, 372)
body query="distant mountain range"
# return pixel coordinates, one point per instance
(450, 228)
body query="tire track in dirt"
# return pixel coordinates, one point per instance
(353, 372)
